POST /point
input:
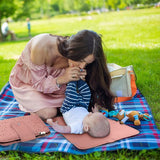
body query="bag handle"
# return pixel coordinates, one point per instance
(23, 131)
(118, 72)
(122, 71)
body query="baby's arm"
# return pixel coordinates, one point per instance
(59, 128)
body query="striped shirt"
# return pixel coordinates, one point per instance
(77, 95)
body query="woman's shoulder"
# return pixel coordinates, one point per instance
(40, 47)
(44, 38)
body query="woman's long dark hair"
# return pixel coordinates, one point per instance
(78, 47)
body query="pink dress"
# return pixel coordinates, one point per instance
(34, 86)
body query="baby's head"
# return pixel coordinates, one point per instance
(96, 125)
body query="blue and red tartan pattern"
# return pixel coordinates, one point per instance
(149, 137)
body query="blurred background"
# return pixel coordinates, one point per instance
(29, 10)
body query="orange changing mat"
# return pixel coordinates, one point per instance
(84, 141)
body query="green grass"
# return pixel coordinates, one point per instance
(129, 37)
(117, 155)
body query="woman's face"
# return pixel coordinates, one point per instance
(83, 63)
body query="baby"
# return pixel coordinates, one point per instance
(75, 113)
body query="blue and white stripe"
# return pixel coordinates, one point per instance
(77, 95)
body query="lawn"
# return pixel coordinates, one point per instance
(129, 37)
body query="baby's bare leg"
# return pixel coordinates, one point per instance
(47, 113)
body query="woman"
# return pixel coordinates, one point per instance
(49, 62)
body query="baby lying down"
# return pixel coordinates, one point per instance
(75, 113)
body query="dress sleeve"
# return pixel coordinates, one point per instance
(41, 77)
(45, 83)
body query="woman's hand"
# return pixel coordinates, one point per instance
(72, 74)
(82, 74)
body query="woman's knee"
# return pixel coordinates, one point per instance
(47, 113)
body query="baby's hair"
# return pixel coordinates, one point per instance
(100, 127)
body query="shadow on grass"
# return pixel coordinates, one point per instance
(27, 38)
(18, 40)
(6, 66)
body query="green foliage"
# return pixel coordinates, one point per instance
(49, 8)
(24, 8)
(7, 8)
(113, 4)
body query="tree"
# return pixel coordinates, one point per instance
(7, 8)
(149, 1)
(113, 4)
(23, 9)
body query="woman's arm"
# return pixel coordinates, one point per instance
(41, 51)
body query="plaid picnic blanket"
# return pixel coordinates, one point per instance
(149, 137)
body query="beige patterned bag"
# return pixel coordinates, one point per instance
(123, 81)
